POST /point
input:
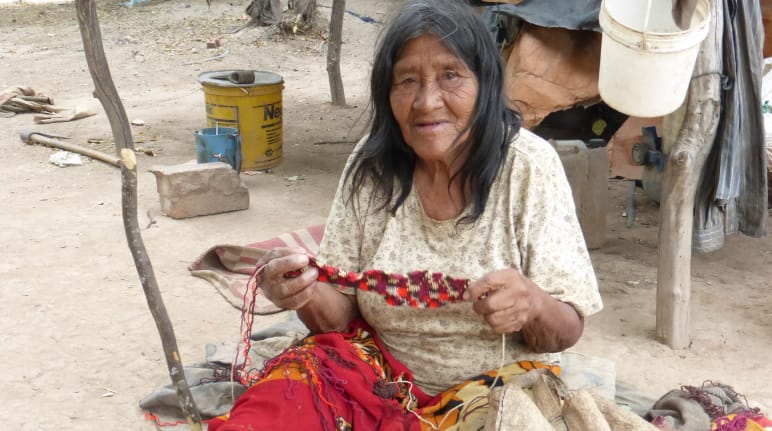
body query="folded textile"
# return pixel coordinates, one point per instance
(675, 411)
(712, 404)
(228, 267)
(210, 384)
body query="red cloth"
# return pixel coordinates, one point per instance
(349, 381)
(277, 403)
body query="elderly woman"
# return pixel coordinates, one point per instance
(446, 181)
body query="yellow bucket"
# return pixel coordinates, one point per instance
(254, 109)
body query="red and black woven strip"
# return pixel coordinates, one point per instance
(417, 289)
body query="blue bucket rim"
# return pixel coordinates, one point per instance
(217, 131)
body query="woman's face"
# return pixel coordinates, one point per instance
(432, 97)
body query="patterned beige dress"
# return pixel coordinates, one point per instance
(529, 224)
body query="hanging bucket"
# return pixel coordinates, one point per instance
(249, 101)
(219, 144)
(646, 60)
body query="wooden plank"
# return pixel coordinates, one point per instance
(681, 178)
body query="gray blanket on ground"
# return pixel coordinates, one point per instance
(210, 385)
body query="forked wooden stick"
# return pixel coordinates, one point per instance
(108, 96)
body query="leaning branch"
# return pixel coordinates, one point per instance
(108, 96)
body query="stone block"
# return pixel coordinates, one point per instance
(587, 171)
(194, 189)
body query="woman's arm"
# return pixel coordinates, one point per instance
(319, 305)
(510, 302)
(329, 311)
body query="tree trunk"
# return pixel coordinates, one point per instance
(333, 52)
(108, 96)
(682, 174)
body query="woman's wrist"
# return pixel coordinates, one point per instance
(555, 325)
(328, 310)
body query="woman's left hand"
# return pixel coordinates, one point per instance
(506, 299)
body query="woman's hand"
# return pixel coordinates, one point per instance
(506, 299)
(319, 305)
(287, 293)
(511, 302)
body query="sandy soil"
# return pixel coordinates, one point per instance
(79, 347)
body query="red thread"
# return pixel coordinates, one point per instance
(417, 289)
(154, 417)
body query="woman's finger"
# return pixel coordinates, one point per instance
(495, 300)
(300, 297)
(509, 320)
(277, 267)
(291, 293)
(278, 252)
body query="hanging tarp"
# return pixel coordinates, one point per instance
(570, 14)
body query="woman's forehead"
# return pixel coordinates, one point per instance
(426, 50)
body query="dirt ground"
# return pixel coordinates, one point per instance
(79, 346)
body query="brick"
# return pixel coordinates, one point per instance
(194, 189)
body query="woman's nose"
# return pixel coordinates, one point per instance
(429, 96)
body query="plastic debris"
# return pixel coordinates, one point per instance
(64, 159)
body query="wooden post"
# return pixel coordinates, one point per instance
(682, 174)
(108, 96)
(338, 97)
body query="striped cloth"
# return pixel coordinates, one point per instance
(228, 267)
(732, 196)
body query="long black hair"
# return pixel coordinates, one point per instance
(385, 157)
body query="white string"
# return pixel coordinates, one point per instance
(461, 405)
(646, 24)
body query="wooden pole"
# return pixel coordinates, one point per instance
(682, 174)
(32, 138)
(337, 94)
(108, 96)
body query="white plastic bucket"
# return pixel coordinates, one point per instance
(645, 72)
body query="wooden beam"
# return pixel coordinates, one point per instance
(108, 96)
(338, 97)
(686, 161)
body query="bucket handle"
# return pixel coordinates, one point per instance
(644, 42)
(238, 153)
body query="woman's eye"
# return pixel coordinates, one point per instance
(405, 82)
(450, 74)
(450, 79)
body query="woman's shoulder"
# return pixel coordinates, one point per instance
(529, 149)
(528, 143)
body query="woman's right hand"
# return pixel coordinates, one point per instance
(291, 293)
